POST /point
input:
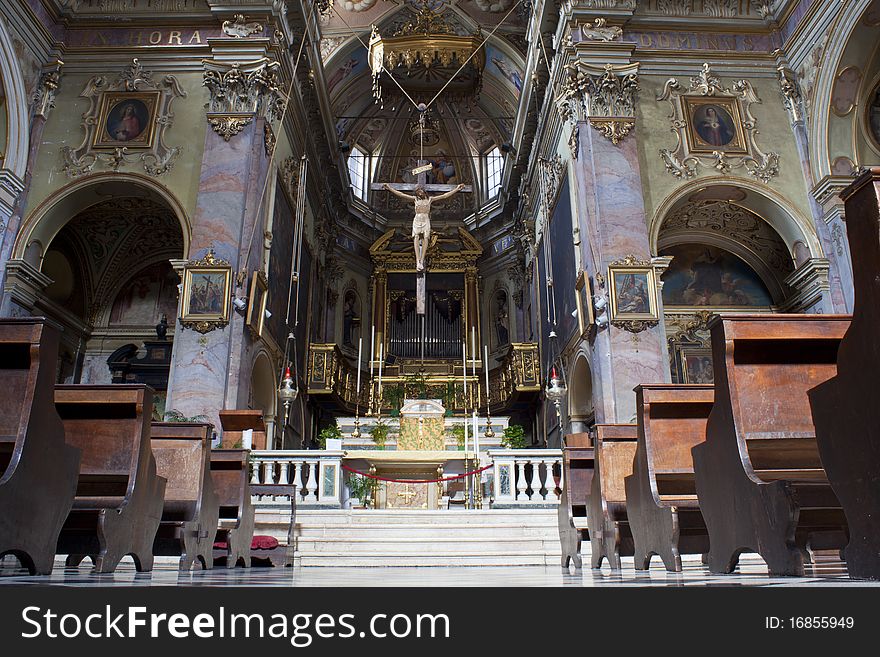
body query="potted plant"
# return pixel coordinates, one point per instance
(394, 395)
(379, 433)
(362, 490)
(331, 432)
(514, 437)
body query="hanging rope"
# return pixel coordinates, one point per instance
(417, 481)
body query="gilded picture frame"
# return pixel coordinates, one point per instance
(584, 301)
(257, 301)
(207, 292)
(697, 365)
(127, 119)
(714, 124)
(632, 293)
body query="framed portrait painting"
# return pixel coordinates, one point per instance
(207, 289)
(126, 119)
(714, 124)
(633, 293)
(696, 365)
(257, 301)
(584, 300)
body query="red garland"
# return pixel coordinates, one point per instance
(418, 481)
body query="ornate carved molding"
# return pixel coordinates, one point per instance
(239, 28)
(156, 159)
(229, 125)
(635, 325)
(240, 90)
(604, 96)
(682, 161)
(599, 31)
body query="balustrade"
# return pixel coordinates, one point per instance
(321, 472)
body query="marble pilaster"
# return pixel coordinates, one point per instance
(611, 214)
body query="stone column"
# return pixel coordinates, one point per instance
(836, 289)
(206, 372)
(600, 100)
(13, 200)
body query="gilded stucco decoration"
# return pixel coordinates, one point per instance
(724, 140)
(44, 95)
(603, 96)
(239, 92)
(156, 157)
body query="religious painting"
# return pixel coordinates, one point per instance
(500, 64)
(697, 365)
(584, 299)
(714, 125)
(703, 275)
(207, 288)
(146, 297)
(257, 301)
(633, 292)
(126, 119)
(872, 116)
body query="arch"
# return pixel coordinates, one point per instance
(791, 225)
(18, 108)
(263, 393)
(842, 29)
(580, 395)
(52, 214)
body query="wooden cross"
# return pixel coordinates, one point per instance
(421, 182)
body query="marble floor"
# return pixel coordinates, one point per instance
(752, 572)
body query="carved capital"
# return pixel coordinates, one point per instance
(604, 96)
(44, 95)
(238, 89)
(792, 100)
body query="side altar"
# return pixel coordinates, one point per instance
(421, 446)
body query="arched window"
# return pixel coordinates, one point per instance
(357, 172)
(494, 169)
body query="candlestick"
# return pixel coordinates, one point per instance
(357, 396)
(379, 394)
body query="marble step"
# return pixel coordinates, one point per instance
(433, 545)
(383, 560)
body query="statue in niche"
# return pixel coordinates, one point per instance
(421, 228)
(502, 330)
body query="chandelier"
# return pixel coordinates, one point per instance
(424, 56)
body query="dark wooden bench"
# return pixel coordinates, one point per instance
(759, 477)
(610, 536)
(119, 495)
(230, 471)
(191, 511)
(661, 496)
(577, 477)
(846, 408)
(282, 554)
(38, 470)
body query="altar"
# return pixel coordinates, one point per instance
(420, 447)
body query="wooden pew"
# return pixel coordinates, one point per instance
(283, 554)
(846, 407)
(577, 467)
(191, 511)
(661, 496)
(759, 476)
(230, 471)
(119, 496)
(38, 470)
(610, 536)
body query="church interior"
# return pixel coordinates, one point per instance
(362, 288)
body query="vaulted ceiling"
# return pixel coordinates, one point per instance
(464, 128)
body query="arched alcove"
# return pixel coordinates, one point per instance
(17, 123)
(263, 394)
(580, 397)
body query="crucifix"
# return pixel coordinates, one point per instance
(421, 229)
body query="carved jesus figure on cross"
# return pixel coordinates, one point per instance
(421, 228)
